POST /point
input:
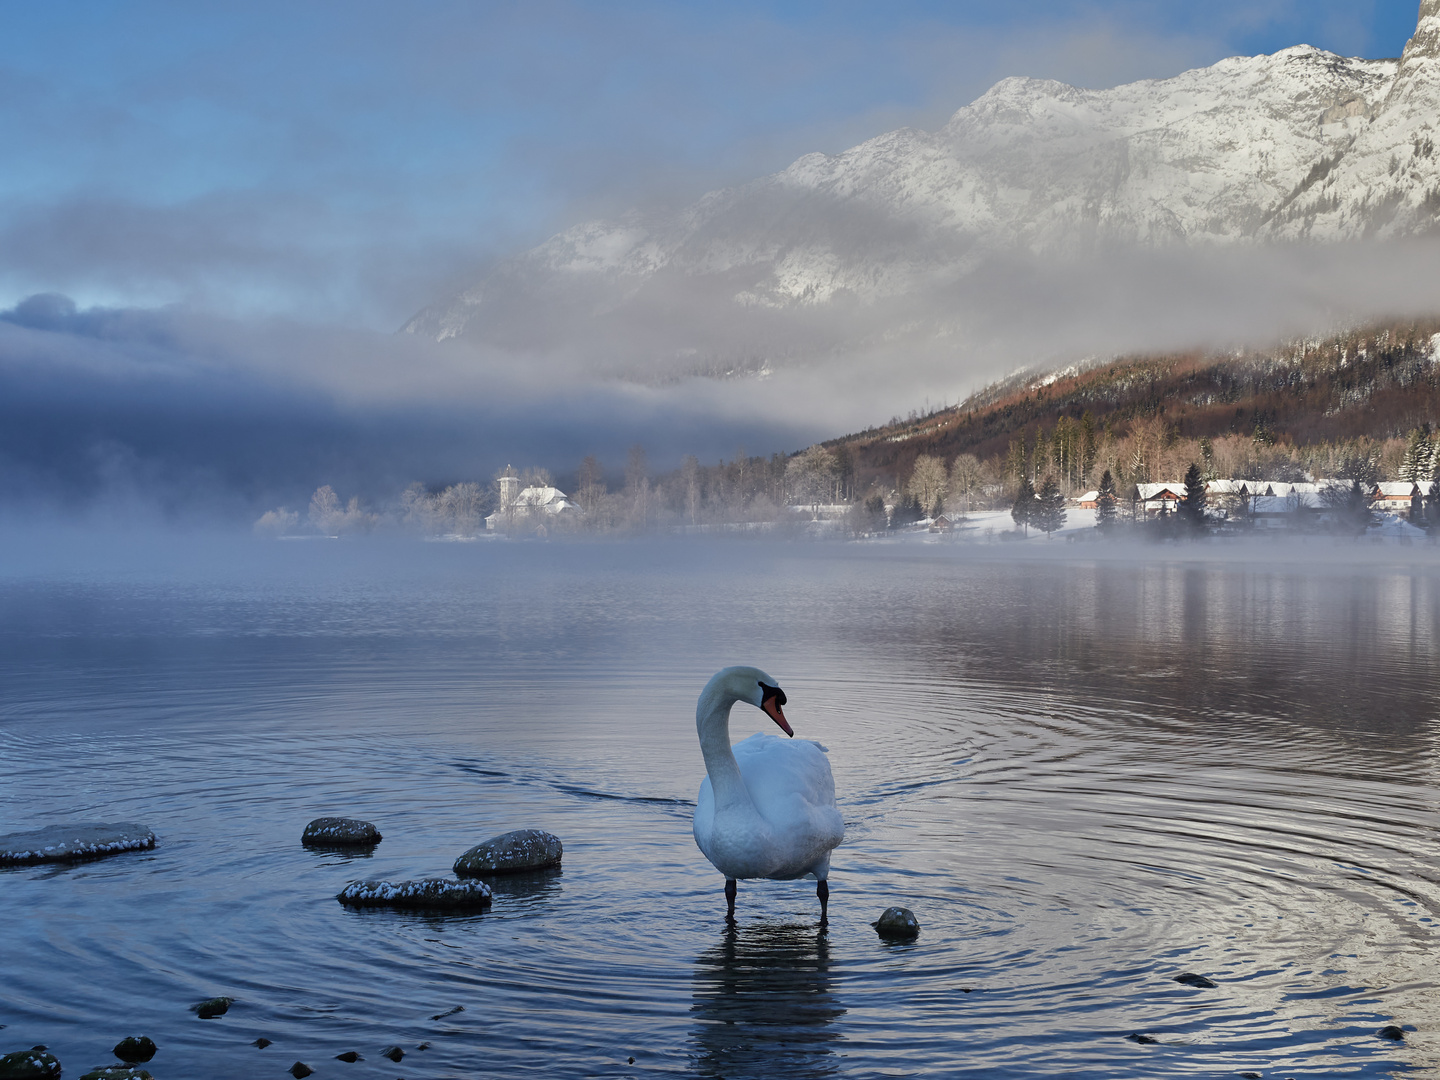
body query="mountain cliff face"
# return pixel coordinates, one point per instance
(1300, 145)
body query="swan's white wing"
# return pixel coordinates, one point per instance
(790, 783)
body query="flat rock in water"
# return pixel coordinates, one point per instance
(66, 843)
(340, 831)
(1189, 978)
(137, 1048)
(33, 1064)
(898, 924)
(117, 1072)
(431, 894)
(511, 853)
(1391, 1031)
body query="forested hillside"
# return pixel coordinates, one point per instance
(1310, 407)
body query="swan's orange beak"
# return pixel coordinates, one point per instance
(771, 705)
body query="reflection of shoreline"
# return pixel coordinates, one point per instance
(764, 1005)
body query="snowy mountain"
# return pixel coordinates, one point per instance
(1302, 144)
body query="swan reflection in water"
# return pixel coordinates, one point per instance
(765, 1005)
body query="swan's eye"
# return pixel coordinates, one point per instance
(767, 692)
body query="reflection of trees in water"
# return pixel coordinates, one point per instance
(764, 1005)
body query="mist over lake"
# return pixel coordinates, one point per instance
(1085, 776)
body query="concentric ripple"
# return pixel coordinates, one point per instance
(1085, 780)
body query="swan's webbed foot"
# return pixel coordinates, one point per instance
(730, 890)
(822, 890)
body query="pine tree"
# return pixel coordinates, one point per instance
(1193, 508)
(1416, 466)
(1106, 504)
(1432, 509)
(1049, 514)
(1024, 509)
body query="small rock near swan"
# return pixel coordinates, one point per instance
(340, 831)
(1391, 1031)
(511, 853)
(432, 894)
(135, 1049)
(394, 1053)
(212, 1007)
(1189, 978)
(37, 1063)
(117, 1072)
(68, 843)
(300, 1070)
(897, 924)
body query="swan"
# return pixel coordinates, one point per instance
(767, 806)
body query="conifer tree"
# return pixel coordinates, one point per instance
(1024, 509)
(1106, 504)
(1193, 508)
(1432, 508)
(1049, 513)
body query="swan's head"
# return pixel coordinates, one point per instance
(752, 685)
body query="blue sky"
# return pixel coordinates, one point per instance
(346, 162)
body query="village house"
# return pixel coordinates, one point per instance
(1157, 498)
(1394, 497)
(521, 506)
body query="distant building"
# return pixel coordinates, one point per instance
(522, 505)
(1394, 498)
(1155, 498)
(1090, 500)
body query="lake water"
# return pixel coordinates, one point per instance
(1085, 777)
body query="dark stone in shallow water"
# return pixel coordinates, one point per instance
(300, 1070)
(212, 1007)
(1189, 978)
(33, 1064)
(394, 1053)
(261, 1042)
(430, 894)
(68, 843)
(350, 1056)
(137, 1048)
(340, 832)
(1143, 1040)
(117, 1072)
(511, 853)
(1390, 1031)
(897, 924)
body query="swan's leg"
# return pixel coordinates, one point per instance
(730, 890)
(822, 890)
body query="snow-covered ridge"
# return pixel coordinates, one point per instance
(1301, 144)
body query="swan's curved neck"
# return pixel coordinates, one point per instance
(712, 721)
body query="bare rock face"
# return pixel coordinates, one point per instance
(69, 843)
(340, 832)
(431, 894)
(36, 1063)
(511, 853)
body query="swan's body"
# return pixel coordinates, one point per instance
(767, 806)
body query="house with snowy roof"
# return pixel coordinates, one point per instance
(528, 507)
(1394, 497)
(1155, 498)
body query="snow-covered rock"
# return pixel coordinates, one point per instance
(67, 843)
(511, 853)
(431, 893)
(1302, 144)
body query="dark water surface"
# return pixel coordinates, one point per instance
(1085, 778)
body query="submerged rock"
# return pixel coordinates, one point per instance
(67, 843)
(511, 853)
(340, 832)
(117, 1072)
(300, 1070)
(33, 1064)
(1390, 1031)
(212, 1007)
(1189, 978)
(430, 893)
(349, 1056)
(1143, 1040)
(394, 1053)
(448, 1012)
(137, 1048)
(897, 924)
(261, 1042)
